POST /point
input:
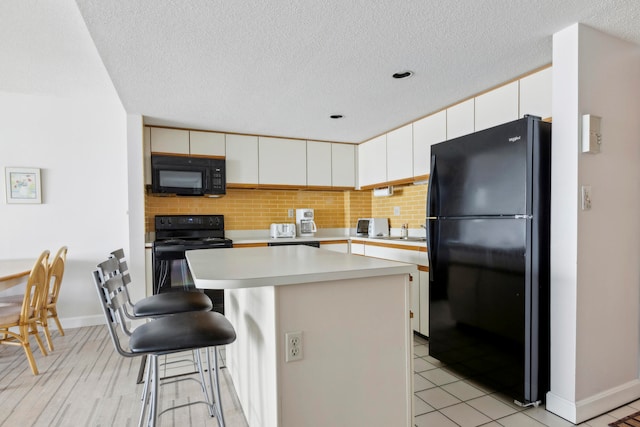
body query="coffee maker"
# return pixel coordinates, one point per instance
(304, 222)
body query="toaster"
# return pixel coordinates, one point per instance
(378, 227)
(282, 230)
(372, 227)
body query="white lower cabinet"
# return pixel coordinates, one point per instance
(419, 284)
(356, 248)
(415, 303)
(423, 306)
(342, 247)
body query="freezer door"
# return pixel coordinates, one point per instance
(485, 173)
(481, 315)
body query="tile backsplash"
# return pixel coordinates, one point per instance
(410, 200)
(247, 209)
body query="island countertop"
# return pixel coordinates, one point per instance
(230, 268)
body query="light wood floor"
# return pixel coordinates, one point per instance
(84, 382)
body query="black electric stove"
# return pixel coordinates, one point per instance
(177, 234)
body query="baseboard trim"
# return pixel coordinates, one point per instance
(593, 406)
(81, 321)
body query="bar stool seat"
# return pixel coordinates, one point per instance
(184, 331)
(154, 305)
(170, 303)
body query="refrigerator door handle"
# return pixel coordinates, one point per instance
(430, 218)
(432, 177)
(429, 248)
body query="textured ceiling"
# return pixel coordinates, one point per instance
(282, 67)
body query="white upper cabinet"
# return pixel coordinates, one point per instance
(535, 94)
(400, 153)
(497, 106)
(175, 141)
(282, 161)
(241, 159)
(426, 132)
(206, 143)
(460, 119)
(372, 161)
(179, 141)
(343, 165)
(319, 163)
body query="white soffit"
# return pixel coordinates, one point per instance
(281, 68)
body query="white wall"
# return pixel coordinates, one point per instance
(60, 112)
(595, 254)
(135, 162)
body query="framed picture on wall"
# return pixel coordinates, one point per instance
(22, 185)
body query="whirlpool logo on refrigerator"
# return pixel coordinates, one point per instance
(515, 138)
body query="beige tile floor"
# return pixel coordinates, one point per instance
(443, 398)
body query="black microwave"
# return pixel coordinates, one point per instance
(187, 176)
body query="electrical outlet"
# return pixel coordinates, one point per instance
(293, 346)
(290, 213)
(396, 210)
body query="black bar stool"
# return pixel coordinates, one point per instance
(153, 305)
(164, 335)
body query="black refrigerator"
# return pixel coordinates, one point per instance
(488, 245)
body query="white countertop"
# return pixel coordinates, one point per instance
(330, 238)
(297, 239)
(283, 265)
(266, 240)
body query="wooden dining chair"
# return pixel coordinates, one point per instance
(24, 317)
(56, 271)
(49, 310)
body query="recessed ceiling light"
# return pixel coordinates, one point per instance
(336, 116)
(403, 74)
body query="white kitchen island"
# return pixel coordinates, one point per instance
(353, 313)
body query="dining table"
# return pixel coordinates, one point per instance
(14, 271)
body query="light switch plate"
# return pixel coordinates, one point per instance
(586, 197)
(591, 134)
